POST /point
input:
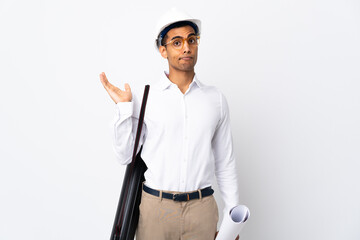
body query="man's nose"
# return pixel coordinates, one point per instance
(186, 47)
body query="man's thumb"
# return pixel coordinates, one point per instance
(127, 87)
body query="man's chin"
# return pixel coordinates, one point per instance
(187, 67)
(183, 67)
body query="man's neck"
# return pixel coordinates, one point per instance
(181, 79)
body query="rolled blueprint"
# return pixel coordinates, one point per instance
(233, 223)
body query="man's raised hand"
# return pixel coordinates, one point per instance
(116, 94)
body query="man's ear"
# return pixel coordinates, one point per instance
(163, 51)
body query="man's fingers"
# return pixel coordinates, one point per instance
(107, 85)
(103, 77)
(104, 80)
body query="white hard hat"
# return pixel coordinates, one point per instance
(172, 16)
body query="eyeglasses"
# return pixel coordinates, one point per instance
(178, 42)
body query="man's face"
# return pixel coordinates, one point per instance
(183, 59)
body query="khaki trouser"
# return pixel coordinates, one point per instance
(165, 219)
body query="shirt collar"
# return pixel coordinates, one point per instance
(165, 82)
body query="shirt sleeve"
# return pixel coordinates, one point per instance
(225, 164)
(124, 130)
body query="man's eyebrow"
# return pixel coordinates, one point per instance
(191, 34)
(176, 37)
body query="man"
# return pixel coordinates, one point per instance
(186, 139)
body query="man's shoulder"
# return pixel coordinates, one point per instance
(209, 89)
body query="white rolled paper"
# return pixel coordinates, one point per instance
(233, 223)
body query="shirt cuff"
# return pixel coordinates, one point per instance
(124, 108)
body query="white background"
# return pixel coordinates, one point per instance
(290, 72)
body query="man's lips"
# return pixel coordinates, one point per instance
(186, 58)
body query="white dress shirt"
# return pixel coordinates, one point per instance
(186, 138)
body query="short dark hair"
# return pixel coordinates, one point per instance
(163, 34)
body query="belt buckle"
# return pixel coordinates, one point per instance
(175, 196)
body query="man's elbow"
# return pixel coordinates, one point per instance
(123, 160)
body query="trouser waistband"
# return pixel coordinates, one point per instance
(180, 197)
